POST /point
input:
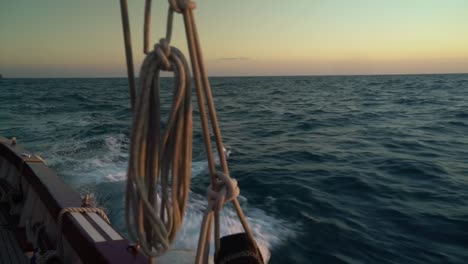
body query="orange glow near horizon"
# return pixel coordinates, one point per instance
(80, 39)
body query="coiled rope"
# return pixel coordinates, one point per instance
(159, 161)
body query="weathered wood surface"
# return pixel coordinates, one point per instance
(10, 251)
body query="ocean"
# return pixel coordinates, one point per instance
(332, 169)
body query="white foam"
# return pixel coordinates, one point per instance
(198, 167)
(109, 163)
(269, 232)
(119, 176)
(89, 160)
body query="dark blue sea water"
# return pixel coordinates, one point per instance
(358, 169)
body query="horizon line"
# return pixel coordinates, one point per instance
(250, 76)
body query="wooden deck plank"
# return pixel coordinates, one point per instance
(3, 220)
(18, 253)
(10, 251)
(3, 214)
(5, 249)
(4, 257)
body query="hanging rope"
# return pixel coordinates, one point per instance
(128, 50)
(222, 187)
(157, 161)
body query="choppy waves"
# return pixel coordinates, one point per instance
(363, 169)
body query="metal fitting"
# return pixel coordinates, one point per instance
(134, 249)
(86, 201)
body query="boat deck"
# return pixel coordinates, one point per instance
(10, 251)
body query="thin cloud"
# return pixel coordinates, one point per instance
(234, 59)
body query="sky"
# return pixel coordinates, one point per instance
(70, 38)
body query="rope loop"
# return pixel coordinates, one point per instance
(228, 190)
(180, 5)
(163, 52)
(66, 210)
(159, 170)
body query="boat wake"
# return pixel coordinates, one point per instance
(90, 171)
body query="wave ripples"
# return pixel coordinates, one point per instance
(350, 169)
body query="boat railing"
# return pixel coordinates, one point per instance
(36, 195)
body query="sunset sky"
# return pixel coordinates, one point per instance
(72, 38)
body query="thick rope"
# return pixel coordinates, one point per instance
(204, 90)
(128, 50)
(159, 162)
(151, 220)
